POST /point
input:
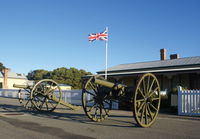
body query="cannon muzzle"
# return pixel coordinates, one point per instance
(20, 86)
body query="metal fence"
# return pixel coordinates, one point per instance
(11, 93)
(188, 102)
(71, 96)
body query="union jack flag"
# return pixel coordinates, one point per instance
(98, 36)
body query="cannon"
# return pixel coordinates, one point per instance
(24, 95)
(45, 95)
(98, 95)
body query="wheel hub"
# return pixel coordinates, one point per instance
(148, 100)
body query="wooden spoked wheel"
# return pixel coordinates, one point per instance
(146, 100)
(25, 99)
(95, 101)
(46, 95)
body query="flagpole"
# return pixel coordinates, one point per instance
(106, 70)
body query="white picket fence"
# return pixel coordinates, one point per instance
(188, 102)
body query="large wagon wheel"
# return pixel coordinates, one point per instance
(46, 95)
(96, 103)
(25, 99)
(146, 100)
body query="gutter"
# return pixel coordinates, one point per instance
(151, 71)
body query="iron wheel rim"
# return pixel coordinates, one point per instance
(147, 100)
(96, 108)
(43, 93)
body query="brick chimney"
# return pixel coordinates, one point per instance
(163, 54)
(5, 80)
(174, 56)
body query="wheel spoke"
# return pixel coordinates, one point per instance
(40, 87)
(47, 105)
(106, 102)
(50, 90)
(141, 106)
(139, 100)
(141, 92)
(27, 102)
(51, 84)
(92, 107)
(37, 103)
(146, 118)
(51, 104)
(88, 101)
(144, 88)
(90, 93)
(93, 87)
(148, 82)
(42, 103)
(142, 114)
(151, 85)
(38, 98)
(157, 88)
(153, 107)
(96, 112)
(101, 112)
(149, 111)
(106, 110)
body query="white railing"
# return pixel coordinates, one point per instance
(188, 102)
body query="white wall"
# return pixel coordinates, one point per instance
(11, 81)
(1, 80)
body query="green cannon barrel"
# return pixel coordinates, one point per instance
(20, 86)
(109, 84)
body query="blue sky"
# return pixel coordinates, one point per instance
(48, 34)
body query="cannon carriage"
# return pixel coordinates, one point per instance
(98, 95)
(45, 95)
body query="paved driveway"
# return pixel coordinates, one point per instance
(15, 122)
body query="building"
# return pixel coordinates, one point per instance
(8, 78)
(65, 87)
(170, 72)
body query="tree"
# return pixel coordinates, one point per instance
(37, 74)
(61, 75)
(2, 66)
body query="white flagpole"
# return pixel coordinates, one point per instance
(106, 56)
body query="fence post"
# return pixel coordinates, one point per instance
(179, 100)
